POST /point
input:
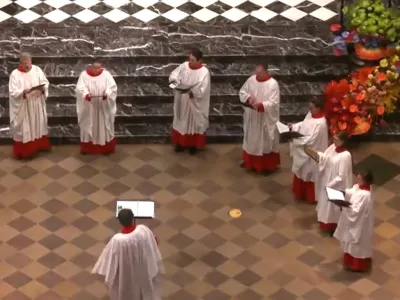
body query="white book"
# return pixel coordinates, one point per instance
(140, 209)
(282, 128)
(334, 194)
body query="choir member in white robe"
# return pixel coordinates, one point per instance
(96, 93)
(28, 116)
(260, 97)
(191, 109)
(314, 128)
(132, 266)
(335, 171)
(356, 225)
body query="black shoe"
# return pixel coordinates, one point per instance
(241, 164)
(193, 151)
(83, 153)
(179, 148)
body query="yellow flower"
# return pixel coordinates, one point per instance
(398, 48)
(370, 76)
(384, 63)
(395, 58)
(396, 75)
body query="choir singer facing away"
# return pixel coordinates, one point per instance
(132, 266)
(315, 130)
(191, 108)
(29, 89)
(260, 97)
(96, 93)
(356, 225)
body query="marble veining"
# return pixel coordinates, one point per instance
(127, 41)
(120, 68)
(90, 11)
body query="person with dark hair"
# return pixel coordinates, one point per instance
(335, 170)
(191, 103)
(314, 129)
(127, 220)
(260, 98)
(28, 91)
(96, 93)
(132, 265)
(356, 225)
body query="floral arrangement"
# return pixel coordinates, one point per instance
(355, 103)
(372, 27)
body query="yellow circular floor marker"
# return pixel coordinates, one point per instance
(235, 213)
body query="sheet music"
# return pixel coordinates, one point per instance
(38, 87)
(334, 194)
(282, 128)
(173, 85)
(140, 209)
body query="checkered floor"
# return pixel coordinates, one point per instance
(116, 11)
(57, 212)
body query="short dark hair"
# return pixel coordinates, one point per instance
(264, 65)
(318, 103)
(126, 217)
(367, 176)
(96, 61)
(196, 53)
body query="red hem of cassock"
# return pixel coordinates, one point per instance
(266, 163)
(327, 226)
(30, 149)
(188, 140)
(356, 264)
(303, 190)
(90, 148)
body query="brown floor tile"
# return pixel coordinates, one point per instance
(58, 213)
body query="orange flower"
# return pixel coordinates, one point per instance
(357, 120)
(360, 97)
(381, 77)
(353, 108)
(342, 125)
(380, 110)
(352, 87)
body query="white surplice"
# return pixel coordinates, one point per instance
(132, 266)
(261, 135)
(315, 131)
(96, 117)
(191, 115)
(335, 171)
(356, 223)
(28, 117)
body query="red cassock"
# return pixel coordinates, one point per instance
(96, 108)
(191, 109)
(314, 129)
(28, 117)
(261, 137)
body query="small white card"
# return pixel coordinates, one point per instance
(334, 194)
(173, 85)
(282, 128)
(140, 209)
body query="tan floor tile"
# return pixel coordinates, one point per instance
(364, 286)
(275, 244)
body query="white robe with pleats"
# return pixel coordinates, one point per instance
(315, 131)
(356, 223)
(28, 117)
(335, 171)
(191, 115)
(132, 266)
(96, 117)
(261, 135)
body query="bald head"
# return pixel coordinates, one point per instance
(25, 60)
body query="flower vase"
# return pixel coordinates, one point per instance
(370, 52)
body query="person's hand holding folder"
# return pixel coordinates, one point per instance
(337, 197)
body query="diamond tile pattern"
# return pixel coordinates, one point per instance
(88, 11)
(51, 236)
